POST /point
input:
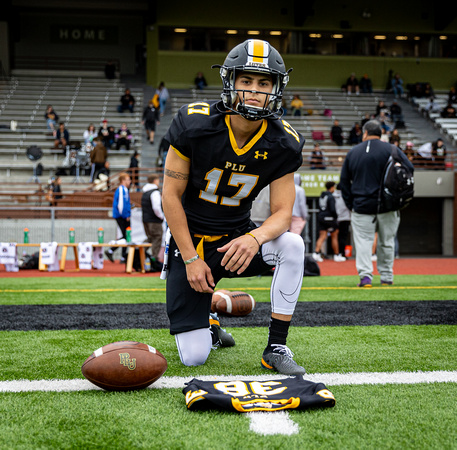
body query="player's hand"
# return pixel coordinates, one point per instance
(239, 253)
(200, 277)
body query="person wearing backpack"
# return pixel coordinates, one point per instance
(362, 186)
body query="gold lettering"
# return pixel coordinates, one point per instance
(126, 361)
(198, 108)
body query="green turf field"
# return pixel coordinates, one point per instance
(392, 415)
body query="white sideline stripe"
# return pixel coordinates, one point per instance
(329, 379)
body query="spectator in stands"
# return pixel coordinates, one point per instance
(355, 135)
(433, 154)
(381, 107)
(396, 114)
(54, 191)
(107, 134)
(317, 159)
(102, 182)
(438, 155)
(367, 117)
(89, 135)
(366, 86)
(352, 85)
(105, 170)
(200, 81)
(448, 112)
(384, 135)
(416, 159)
(133, 170)
(428, 90)
(163, 94)
(98, 157)
(397, 86)
(385, 121)
(296, 105)
(452, 95)
(394, 137)
(62, 137)
(123, 137)
(336, 133)
(432, 107)
(151, 117)
(416, 91)
(409, 151)
(51, 119)
(110, 70)
(127, 102)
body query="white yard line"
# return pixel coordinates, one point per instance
(264, 423)
(329, 379)
(267, 423)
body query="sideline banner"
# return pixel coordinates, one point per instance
(313, 181)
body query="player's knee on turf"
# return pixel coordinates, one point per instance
(194, 346)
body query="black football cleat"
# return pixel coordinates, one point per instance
(221, 338)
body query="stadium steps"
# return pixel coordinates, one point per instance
(78, 101)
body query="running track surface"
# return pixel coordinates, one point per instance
(402, 266)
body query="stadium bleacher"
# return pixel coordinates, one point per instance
(78, 101)
(82, 100)
(337, 105)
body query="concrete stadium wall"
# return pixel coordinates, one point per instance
(178, 69)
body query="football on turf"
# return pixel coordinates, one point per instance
(230, 303)
(124, 366)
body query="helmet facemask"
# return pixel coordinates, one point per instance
(234, 100)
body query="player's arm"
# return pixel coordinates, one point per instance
(282, 198)
(240, 251)
(174, 184)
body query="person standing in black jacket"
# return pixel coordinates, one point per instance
(360, 182)
(327, 222)
(151, 117)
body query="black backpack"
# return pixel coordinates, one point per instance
(397, 188)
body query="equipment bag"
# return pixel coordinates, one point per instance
(397, 188)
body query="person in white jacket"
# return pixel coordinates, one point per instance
(300, 209)
(344, 220)
(151, 205)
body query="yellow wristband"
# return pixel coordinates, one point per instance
(250, 234)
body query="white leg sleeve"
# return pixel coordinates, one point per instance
(287, 253)
(194, 346)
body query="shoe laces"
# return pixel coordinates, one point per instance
(282, 350)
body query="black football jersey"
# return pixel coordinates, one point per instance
(248, 396)
(225, 179)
